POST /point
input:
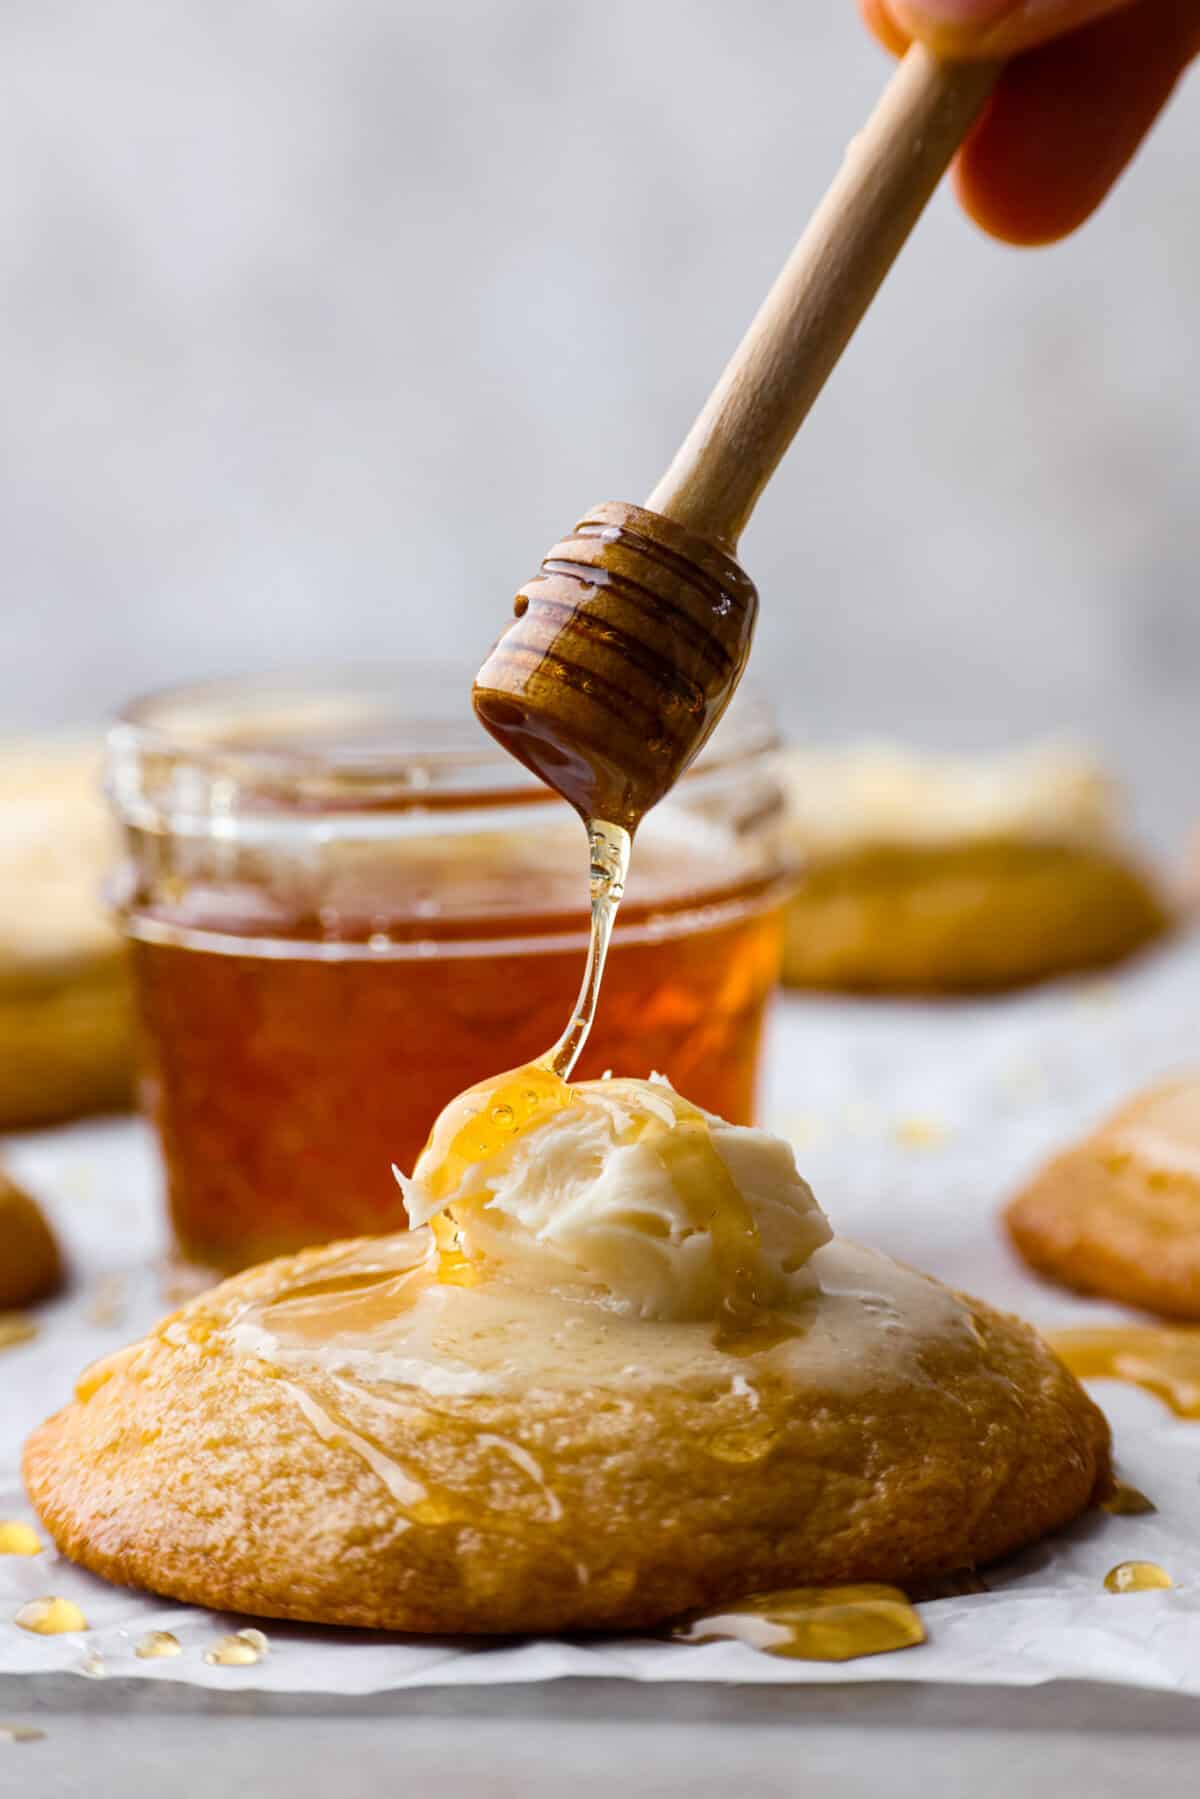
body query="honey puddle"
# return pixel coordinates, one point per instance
(1161, 1361)
(50, 1617)
(18, 1538)
(811, 1624)
(1126, 1502)
(1136, 1577)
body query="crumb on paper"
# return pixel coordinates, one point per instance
(920, 1132)
(859, 1120)
(108, 1301)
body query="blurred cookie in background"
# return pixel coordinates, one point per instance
(30, 1262)
(941, 874)
(1118, 1214)
(66, 1014)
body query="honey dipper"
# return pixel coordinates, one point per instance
(627, 645)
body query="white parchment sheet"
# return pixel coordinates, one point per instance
(913, 1123)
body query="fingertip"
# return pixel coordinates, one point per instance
(976, 28)
(1065, 120)
(882, 23)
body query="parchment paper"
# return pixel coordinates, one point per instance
(913, 1123)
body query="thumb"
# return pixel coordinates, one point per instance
(969, 28)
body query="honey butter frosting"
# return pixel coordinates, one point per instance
(621, 1190)
(881, 794)
(55, 848)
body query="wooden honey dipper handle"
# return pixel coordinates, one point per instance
(891, 169)
(627, 644)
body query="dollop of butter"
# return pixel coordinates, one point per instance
(619, 1190)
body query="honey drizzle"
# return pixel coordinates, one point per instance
(1160, 1361)
(715, 1204)
(609, 849)
(811, 1624)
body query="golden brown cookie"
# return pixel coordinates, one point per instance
(1119, 1213)
(933, 875)
(985, 917)
(30, 1263)
(66, 1011)
(343, 1437)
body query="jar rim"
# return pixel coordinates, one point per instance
(364, 732)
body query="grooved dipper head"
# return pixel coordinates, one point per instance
(624, 652)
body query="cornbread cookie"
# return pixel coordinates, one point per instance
(1119, 1213)
(30, 1263)
(941, 875)
(66, 1025)
(351, 1437)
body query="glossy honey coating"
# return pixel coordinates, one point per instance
(358, 1436)
(625, 649)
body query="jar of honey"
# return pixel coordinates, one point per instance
(346, 904)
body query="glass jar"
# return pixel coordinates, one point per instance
(346, 904)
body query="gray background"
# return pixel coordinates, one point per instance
(322, 320)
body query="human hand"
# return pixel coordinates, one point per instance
(1087, 80)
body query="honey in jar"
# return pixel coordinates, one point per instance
(346, 905)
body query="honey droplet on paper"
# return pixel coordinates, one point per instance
(812, 1624)
(19, 1538)
(93, 1666)
(1136, 1577)
(21, 1733)
(1163, 1362)
(15, 1328)
(50, 1617)
(1127, 1502)
(156, 1644)
(241, 1650)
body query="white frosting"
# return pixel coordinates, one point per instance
(56, 845)
(881, 794)
(587, 1200)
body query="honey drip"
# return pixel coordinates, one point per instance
(715, 1204)
(1126, 1502)
(1163, 1362)
(609, 848)
(241, 1650)
(18, 1538)
(811, 1624)
(50, 1617)
(1136, 1577)
(156, 1645)
(21, 1733)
